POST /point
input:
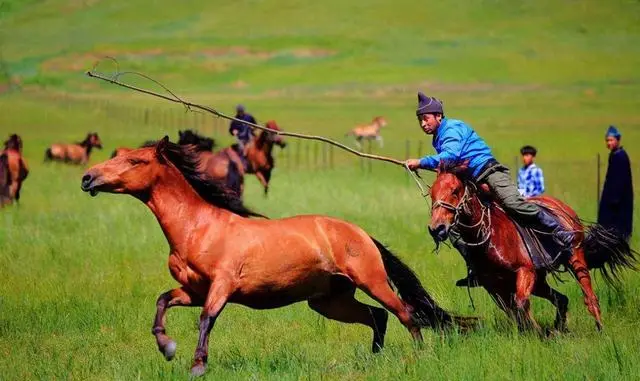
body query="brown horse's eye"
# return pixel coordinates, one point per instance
(134, 161)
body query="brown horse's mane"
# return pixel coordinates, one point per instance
(186, 160)
(85, 142)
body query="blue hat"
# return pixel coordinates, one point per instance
(240, 108)
(428, 105)
(613, 131)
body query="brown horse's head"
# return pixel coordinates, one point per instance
(275, 138)
(92, 140)
(448, 195)
(14, 142)
(380, 121)
(132, 171)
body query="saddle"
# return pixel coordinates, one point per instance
(545, 251)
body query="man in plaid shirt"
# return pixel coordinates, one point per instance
(530, 178)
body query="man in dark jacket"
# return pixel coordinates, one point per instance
(242, 131)
(616, 203)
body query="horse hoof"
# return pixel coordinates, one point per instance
(169, 350)
(198, 370)
(599, 326)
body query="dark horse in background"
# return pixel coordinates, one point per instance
(505, 264)
(13, 170)
(186, 137)
(220, 255)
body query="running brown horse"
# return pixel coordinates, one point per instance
(259, 160)
(500, 258)
(220, 255)
(77, 153)
(16, 167)
(369, 131)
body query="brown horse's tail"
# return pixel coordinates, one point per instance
(234, 178)
(608, 251)
(426, 312)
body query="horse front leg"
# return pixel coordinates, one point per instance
(171, 298)
(525, 282)
(216, 300)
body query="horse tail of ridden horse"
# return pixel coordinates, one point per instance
(426, 312)
(234, 178)
(609, 252)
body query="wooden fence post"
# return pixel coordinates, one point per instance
(597, 183)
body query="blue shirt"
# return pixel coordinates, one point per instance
(245, 132)
(456, 141)
(530, 181)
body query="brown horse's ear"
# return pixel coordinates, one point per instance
(161, 148)
(441, 167)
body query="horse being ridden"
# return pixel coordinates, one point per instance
(77, 153)
(502, 262)
(455, 141)
(368, 132)
(220, 256)
(228, 163)
(16, 167)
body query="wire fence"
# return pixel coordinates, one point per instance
(314, 155)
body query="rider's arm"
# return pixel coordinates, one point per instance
(450, 151)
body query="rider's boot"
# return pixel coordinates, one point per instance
(550, 225)
(471, 280)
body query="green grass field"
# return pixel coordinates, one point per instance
(80, 276)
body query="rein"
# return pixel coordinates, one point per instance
(462, 209)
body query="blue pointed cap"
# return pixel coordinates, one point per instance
(613, 131)
(428, 105)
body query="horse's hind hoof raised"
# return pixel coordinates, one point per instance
(169, 350)
(198, 370)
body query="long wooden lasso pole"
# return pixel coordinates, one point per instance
(194, 106)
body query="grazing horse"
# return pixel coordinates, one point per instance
(77, 153)
(219, 255)
(368, 132)
(503, 262)
(16, 167)
(259, 160)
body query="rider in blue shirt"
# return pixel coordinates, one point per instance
(455, 141)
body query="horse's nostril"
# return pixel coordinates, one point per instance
(86, 180)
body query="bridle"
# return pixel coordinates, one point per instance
(462, 209)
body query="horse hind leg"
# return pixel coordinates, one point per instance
(345, 308)
(383, 294)
(578, 266)
(559, 300)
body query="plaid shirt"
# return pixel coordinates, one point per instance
(530, 181)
